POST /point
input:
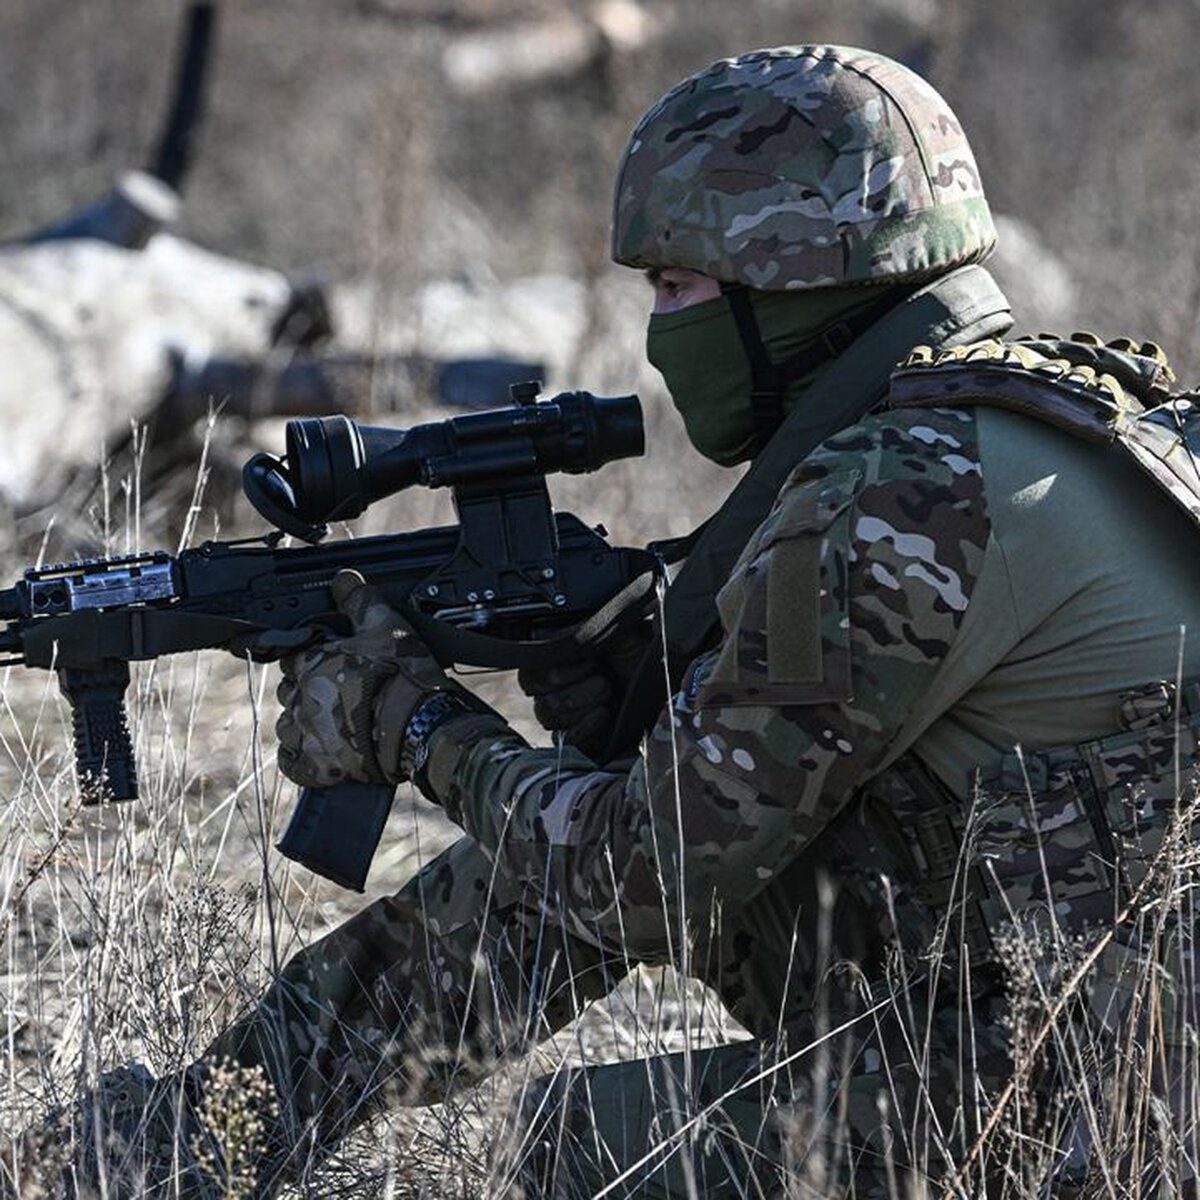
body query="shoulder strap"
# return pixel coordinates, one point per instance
(957, 308)
(1116, 393)
(770, 380)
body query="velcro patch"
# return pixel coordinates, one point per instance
(784, 609)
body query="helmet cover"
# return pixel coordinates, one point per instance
(801, 167)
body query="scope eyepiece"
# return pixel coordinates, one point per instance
(335, 468)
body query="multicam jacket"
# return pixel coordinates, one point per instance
(933, 586)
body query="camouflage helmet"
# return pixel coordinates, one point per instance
(801, 167)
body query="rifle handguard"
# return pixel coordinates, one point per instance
(104, 757)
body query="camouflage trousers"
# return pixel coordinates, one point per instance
(910, 1092)
(874, 1091)
(418, 996)
(807, 1114)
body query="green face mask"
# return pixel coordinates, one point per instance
(699, 354)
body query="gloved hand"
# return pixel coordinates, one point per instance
(346, 702)
(579, 700)
(133, 1135)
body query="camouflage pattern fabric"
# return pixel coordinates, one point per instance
(715, 851)
(711, 853)
(1057, 841)
(418, 994)
(570, 873)
(817, 1112)
(1071, 875)
(801, 167)
(132, 1137)
(888, 1092)
(345, 703)
(825, 633)
(768, 739)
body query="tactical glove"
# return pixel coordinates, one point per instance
(578, 701)
(135, 1137)
(347, 702)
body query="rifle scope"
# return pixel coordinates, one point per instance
(334, 467)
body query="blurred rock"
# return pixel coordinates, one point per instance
(454, 11)
(90, 335)
(1035, 279)
(526, 53)
(538, 316)
(626, 24)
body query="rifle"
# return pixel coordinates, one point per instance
(514, 583)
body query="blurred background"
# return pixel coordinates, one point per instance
(381, 207)
(370, 191)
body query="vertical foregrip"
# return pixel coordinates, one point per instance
(103, 748)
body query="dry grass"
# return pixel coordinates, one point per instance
(136, 932)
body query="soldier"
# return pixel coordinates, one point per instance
(923, 778)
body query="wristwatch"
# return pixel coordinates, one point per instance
(432, 710)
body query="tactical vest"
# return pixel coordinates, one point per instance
(1056, 841)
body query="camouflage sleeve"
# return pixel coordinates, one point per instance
(836, 617)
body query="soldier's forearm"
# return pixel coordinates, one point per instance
(628, 865)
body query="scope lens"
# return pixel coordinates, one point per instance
(325, 462)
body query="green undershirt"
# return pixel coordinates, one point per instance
(1088, 576)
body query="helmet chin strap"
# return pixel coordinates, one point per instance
(770, 380)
